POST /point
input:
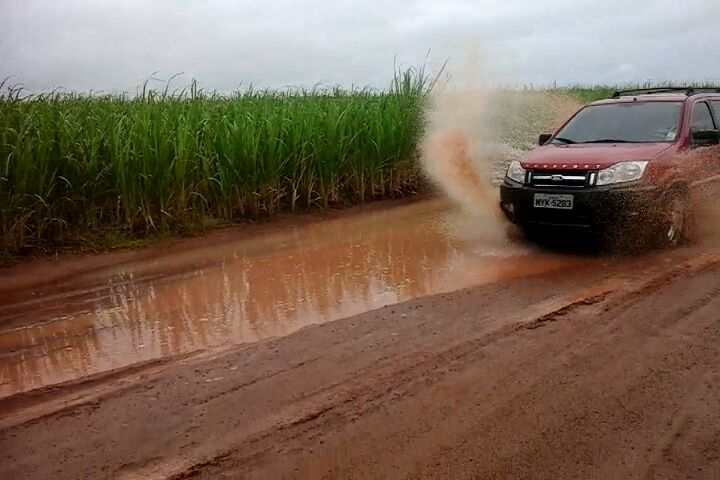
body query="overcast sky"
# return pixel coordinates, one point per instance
(116, 44)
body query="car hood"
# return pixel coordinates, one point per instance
(591, 156)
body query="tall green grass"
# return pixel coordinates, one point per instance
(73, 163)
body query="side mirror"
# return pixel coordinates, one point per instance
(704, 138)
(544, 137)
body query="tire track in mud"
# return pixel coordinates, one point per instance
(426, 369)
(613, 295)
(65, 398)
(586, 322)
(677, 428)
(381, 383)
(585, 405)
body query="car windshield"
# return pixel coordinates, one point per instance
(636, 122)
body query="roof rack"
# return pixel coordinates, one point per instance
(648, 91)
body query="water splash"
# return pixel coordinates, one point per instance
(473, 134)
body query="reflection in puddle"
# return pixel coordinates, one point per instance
(255, 288)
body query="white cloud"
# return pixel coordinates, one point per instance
(113, 44)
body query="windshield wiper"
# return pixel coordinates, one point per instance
(564, 140)
(608, 140)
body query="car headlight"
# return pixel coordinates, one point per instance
(621, 172)
(516, 172)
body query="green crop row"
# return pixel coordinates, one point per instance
(74, 163)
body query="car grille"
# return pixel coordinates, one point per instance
(561, 178)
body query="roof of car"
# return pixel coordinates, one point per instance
(656, 97)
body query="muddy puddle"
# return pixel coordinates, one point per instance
(258, 287)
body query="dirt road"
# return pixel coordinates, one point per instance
(581, 367)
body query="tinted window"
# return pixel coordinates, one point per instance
(625, 122)
(701, 118)
(716, 109)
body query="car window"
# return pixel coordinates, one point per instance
(701, 117)
(716, 110)
(623, 122)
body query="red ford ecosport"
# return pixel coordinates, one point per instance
(638, 160)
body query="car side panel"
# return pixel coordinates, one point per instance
(704, 163)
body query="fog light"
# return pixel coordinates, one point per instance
(509, 207)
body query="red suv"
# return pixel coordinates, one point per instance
(638, 159)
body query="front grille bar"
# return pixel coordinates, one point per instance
(560, 179)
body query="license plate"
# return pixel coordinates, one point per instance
(559, 202)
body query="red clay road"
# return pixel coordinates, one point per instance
(604, 371)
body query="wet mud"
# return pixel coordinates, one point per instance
(391, 343)
(244, 291)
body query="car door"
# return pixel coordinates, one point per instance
(704, 160)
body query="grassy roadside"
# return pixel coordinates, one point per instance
(166, 162)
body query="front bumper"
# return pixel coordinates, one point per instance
(595, 208)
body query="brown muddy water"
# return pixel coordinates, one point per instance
(257, 287)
